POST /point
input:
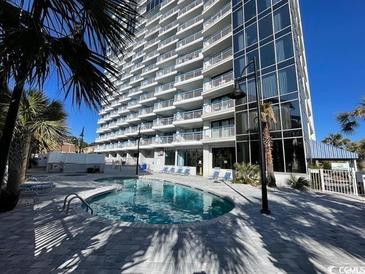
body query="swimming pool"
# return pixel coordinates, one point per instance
(158, 202)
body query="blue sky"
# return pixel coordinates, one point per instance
(335, 46)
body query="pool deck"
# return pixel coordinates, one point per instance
(306, 233)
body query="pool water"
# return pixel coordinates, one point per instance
(158, 202)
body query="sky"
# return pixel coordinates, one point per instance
(334, 33)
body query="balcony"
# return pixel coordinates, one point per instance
(123, 110)
(133, 117)
(135, 80)
(147, 128)
(169, 15)
(152, 43)
(218, 63)
(147, 142)
(220, 85)
(152, 31)
(192, 138)
(211, 6)
(163, 141)
(221, 39)
(164, 107)
(190, 26)
(165, 91)
(166, 57)
(166, 4)
(167, 44)
(189, 59)
(190, 9)
(218, 20)
(131, 131)
(189, 80)
(220, 110)
(149, 69)
(146, 113)
(150, 56)
(166, 73)
(189, 100)
(191, 42)
(162, 124)
(134, 92)
(220, 134)
(189, 118)
(133, 105)
(153, 19)
(148, 84)
(122, 122)
(147, 98)
(130, 145)
(138, 55)
(168, 28)
(124, 98)
(137, 67)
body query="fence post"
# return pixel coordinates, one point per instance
(354, 181)
(321, 176)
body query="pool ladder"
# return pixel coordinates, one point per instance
(75, 195)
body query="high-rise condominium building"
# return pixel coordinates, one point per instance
(175, 80)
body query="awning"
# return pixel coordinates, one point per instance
(323, 151)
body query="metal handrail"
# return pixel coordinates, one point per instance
(69, 202)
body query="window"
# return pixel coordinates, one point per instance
(239, 64)
(251, 90)
(224, 157)
(253, 126)
(277, 154)
(190, 157)
(255, 153)
(267, 55)
(263, 5)
(242, 122)
(281, 18)
(284, 48)
(269, 85)
(294, 155)
(290, 112)
(276, 126)
(287, 80)
(265, 27)
(239, 41)
(243, 152)
(251, 35)
(170, 157)
(250, 10)
(250, 57)
(237, 18)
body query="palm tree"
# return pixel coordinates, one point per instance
(349, 121)
(70, 37)
(39, 121)
(268, 119)
(337, 140)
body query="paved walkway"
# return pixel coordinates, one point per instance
(306, 233)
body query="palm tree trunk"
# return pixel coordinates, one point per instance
(268, 156)
(18, 161)
(9, 127)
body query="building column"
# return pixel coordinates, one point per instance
(207, 161)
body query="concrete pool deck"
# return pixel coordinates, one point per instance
(306, 233)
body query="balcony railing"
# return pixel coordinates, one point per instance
(188, 136)
(189, 23)
(189, 75)
(189, 39)
(146, 126)
(151, 42)
(149, 68)
(137, 66)
(152, 30)
(189, 7)
(163, 121)
(122, 109)
(165, 71)
(132, 103)
(209, 3)
(166, 55)
(216, 17)
(135, 79)
(164, 87)
(150, 55)
(147, 141)
(146, 96)
(188, 57)
(164, 104)
(227, 53)
(168, 27)
(188, 95)
(169, 12)
(215, 107)
(219, 132)
(144, 111)
(166, 2)
(167, 41)
(194, 114)
(131, 130)
(148, 82)
(219, 81)
(164, 139)
(132, 116)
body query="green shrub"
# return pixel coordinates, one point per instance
(247, 174)
(299, 183)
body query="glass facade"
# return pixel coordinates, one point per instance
(264, 29)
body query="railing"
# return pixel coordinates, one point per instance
(145, 111)
(167, 41)
(146, 96)
(148, 82)
(153, 18)
(132, 103)
(168, 27)
(135, 79)
(121, 121)
(166, 55)
(188, 95)
(189, 39)
(132, 116)
(133, 91)
(189, 7)
(189, 23)
(149, 141)
(337, 181)
(164, 104)
(215, 107)
(169, 12)
(218, 81)
(209, 3)
(165, 71)
(188, 75)
(152, 30)
(188, 136)
(216, 17)
(227, 53)
(150, 55)
(164, 139)
(219, 132)
(131, 130)
(149, 68)
(137, 66)
(163, 121)
(194, 114)
(189, 57)
(145, 126)
(166, 2)
(151, 42)
(164, 87)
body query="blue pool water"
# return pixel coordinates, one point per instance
(158, 202)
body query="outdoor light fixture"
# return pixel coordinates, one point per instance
(239, 94)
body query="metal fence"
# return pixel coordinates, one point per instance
(337, 181)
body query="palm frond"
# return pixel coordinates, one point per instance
(348, 122)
